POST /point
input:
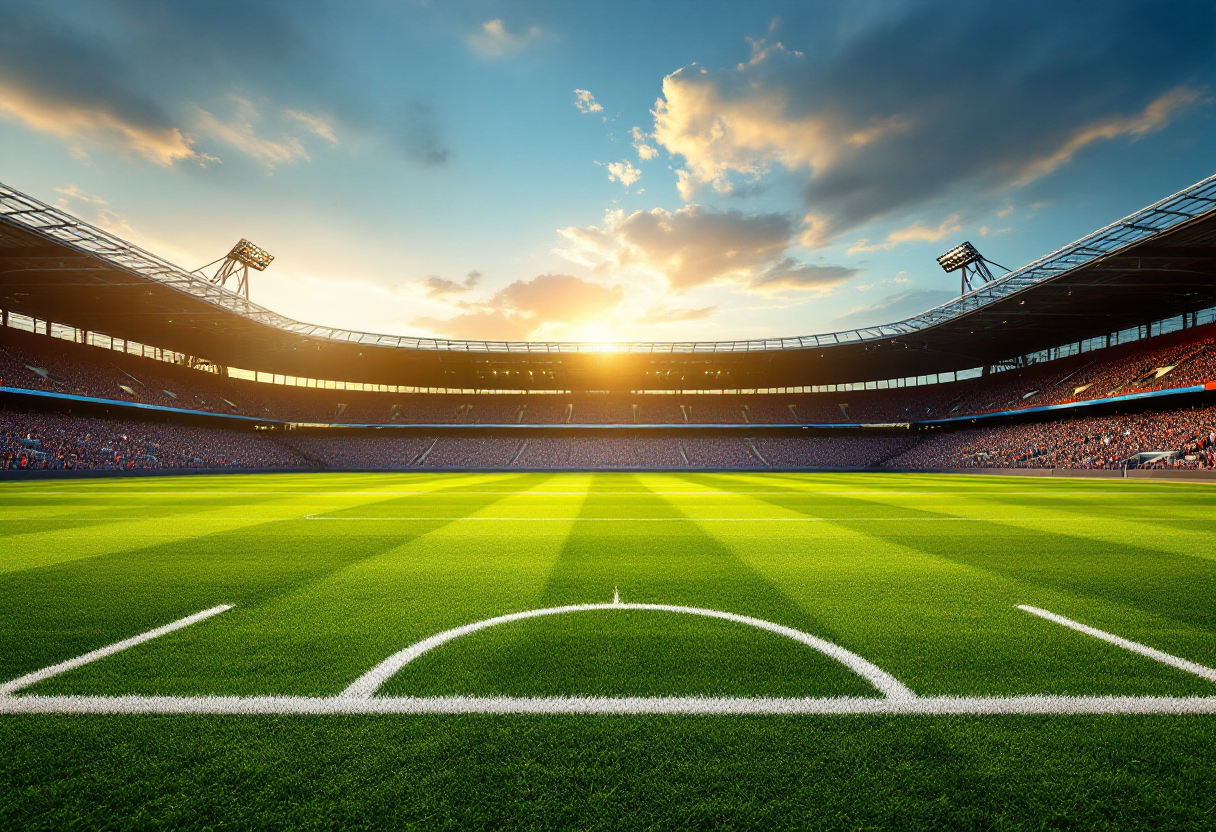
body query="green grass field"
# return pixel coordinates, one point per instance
(330, 575)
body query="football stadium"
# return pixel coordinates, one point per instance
(263, 569)
(968, 553)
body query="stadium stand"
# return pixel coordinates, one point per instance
(56, 441)
(545, 452)
(1183, 439)
(1180, 439)
(832, 451)
(39, 362)
(1109, 442)
(1136, 369)
(363, 452)
(472, 452)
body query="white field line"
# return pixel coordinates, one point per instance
(668, 519)
(100, 653)
(1134, 646)
(1130, 492)
(625, 706)
(367, 684)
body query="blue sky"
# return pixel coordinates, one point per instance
(604, 171)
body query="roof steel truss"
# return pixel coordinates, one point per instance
(57, 225)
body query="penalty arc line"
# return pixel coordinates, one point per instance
(63, 667)
(366, 685)
(1134, 646)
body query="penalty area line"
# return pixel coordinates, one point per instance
(602, 705)
(1134, 646)
(109, 650)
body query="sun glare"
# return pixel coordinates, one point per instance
(599, 336)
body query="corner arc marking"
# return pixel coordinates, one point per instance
(366, 685)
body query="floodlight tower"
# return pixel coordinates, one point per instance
(974, 267)
(237, 263)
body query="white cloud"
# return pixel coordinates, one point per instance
(95, 124)
(442, 287)
(71, 193)
(623, 172)
(741, 121)
(790, 275)
(646, 152)
(695, 246)
(495, 40)
(314, 124)
(894, 308)
(586, 102)
(240, 132)
(917, 232)
(664, 314)
(883, 124)
(1155, 117)
(528, 308)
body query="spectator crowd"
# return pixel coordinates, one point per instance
(1178, 439)
(55, 441)
(59, 441)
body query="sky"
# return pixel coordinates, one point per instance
(581, 170)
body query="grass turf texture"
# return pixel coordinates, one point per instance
(331, 574)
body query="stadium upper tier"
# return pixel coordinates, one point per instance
(56, 372)
(1158, 262)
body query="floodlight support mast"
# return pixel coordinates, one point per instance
(237, 269)
(974, 275)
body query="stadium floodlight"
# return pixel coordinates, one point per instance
(237, 263)
(964, 254)
(966, 258)
(250, 255)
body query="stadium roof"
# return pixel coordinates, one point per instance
(1158, 262)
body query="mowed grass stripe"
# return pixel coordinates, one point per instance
(1168, 526)
(40, 519)
(610, 773)
(56, 611)
(315, 636)
(939, 624)
(1067, 557)
(1107, 553)
(166, 524)
(235, 483)
(946, 619)
(627, 653)
(900, 609)
(945, 484)
(1152, 525)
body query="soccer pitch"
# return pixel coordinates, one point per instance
(608, 650)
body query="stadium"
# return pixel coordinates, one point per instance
(412, 415)
(592, 549)
(1100, 356)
